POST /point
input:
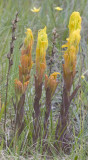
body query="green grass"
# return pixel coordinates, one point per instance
(51, 18)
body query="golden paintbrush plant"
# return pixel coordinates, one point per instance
(74, 22)
(51, 82)
(73, 40)
(26, 64)
(42, 44)
(72, 45)
(20, 87)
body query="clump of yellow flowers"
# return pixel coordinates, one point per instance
(26, 64)
(72, 45)
(74, 22)
(51, 82)
(42, 44)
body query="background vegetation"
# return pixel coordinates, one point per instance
(51, 18)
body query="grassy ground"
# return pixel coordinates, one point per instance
(51, 18)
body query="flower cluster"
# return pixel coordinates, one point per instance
(51, 82)
(26, 64)
(72, 45)
(42, 44)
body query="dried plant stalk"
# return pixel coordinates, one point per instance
(9, 56)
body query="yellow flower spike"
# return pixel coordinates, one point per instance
(42, 44)
(26, 58)
(74, 22)
(72, 45)
(25, 64)
(75, 39)
(58, 8)
(29, 38)
(35, 9)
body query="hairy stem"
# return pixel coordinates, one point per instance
(64, 115)
(47, 112)
(19, 124)
(37, 105)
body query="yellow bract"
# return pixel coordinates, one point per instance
(73, 40)
(29, 38)
(42, 44)
(72, 45)
(20, 87)
(35, 9)
(54, 75)
(25, 64)
(58, 8)
(74, 22)
(51, 83)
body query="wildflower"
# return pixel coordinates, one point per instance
(51, 82)
(83, 77)
(35, 9)
(73, 40)
(26, 64)
(42, 44)
(28, 43)
(58, 8)
(18, 86)
(72, 45)
(74, 22)
(29, 38)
